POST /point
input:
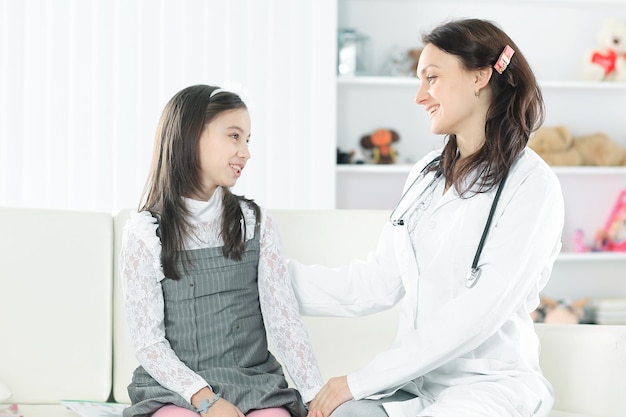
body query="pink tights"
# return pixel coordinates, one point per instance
(176, 411)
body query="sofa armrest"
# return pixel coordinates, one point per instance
(56, 304)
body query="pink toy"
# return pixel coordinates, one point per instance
(615, 226)
(579, 241)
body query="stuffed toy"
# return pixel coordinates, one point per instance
(555, 145)
(558, 147)
(562, 312)
(402, 62)
(601, 242)
(608, 61)
(399, 63)
(598, 149)
(379, 143)
(414, 55)
(612, 237)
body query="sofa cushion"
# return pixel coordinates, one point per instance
(329, 237)
(56, 304)
(5, 393)
(557, 413)
(334, 237)
(46, 410)
(586, 363)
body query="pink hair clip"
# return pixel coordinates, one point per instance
(504, 59)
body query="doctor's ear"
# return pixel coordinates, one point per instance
(482, 77)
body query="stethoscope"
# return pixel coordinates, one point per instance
(474, 273)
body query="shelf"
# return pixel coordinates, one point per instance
(544, 2)
(583, 85)
(381, 81)
(373, 168)
(592, 256)
(374, 80)
(590, 170)
(406, 168)
(540, 2)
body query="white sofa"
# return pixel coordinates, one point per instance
(63, 334)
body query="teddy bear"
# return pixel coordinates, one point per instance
(607, 62)
(597, 149)
(379, 142)
(558, 147)
(555, 145)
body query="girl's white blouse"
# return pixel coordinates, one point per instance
(142, 273)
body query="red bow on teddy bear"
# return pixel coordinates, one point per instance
(606, 61)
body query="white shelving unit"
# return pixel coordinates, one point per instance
(555, 36)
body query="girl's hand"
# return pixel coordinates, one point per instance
(223, 408)
(331, 396)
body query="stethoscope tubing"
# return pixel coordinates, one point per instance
(400, 219)
(475, 271)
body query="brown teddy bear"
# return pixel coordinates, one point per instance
(598, 149)
(557, 146)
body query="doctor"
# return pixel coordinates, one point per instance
(469, 247)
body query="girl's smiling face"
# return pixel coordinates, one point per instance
(223, 151)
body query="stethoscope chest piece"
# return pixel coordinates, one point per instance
(472, 277)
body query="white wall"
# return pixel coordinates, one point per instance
(83, 82)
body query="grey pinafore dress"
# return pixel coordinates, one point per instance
(214, 324)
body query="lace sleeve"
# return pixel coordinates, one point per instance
(141, 274)
(281, 316)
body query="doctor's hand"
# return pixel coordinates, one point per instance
(331, 396)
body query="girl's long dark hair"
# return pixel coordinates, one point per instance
(174, 174)
(516, 111)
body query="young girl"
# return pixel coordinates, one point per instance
(203, 274)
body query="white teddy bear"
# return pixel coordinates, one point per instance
(608, 61)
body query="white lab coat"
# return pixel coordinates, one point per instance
(463, 352)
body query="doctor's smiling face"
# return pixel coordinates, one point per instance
(448, 93)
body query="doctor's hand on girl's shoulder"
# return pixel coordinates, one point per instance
(334, 393)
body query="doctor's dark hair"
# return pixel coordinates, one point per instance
(175, 173)
(517, 108)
